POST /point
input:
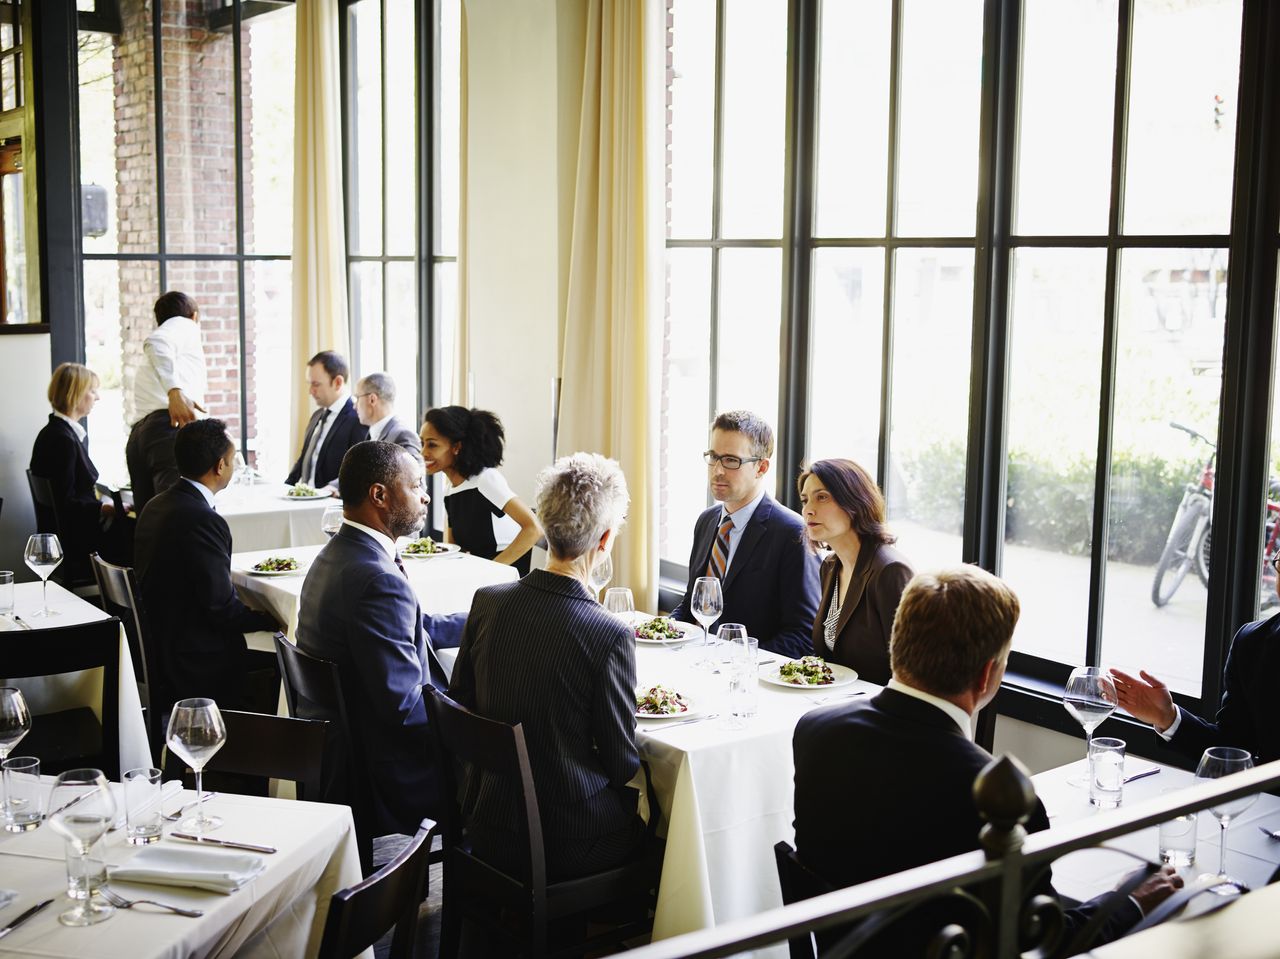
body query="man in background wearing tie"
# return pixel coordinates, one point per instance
(168, 389)
(334, 428)
(752, 543)
(376, 406)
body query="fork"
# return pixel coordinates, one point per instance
(685, 722)
(120, 902)
(1270, 833)
(175, 816)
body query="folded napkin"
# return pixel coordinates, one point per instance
(216, 871)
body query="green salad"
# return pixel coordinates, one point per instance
(422, 547)
(807, 671)
(659, 629)
(276, 564)
(302, 489)
(660, 701)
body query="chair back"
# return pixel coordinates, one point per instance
(46, 506)
(274, 747)
(797, 882)
(118, 589)
(361, 914)
(26, 654)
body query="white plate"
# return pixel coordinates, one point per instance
(843, 676)
(442, 549)
(689, 713)
(689, 630)
(302, 568)
(305, 499)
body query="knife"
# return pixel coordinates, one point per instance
(20, 622)
(23, 918)
(205, 840)
(1142, 775)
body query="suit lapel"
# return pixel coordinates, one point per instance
(857, 586)
(702, 545)
(750, 537)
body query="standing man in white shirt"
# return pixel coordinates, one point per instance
(375, 399)
(167, 394)
(333, 429)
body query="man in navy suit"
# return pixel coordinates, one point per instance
(752, 543)
(333, 429)
(358, 609)
(183, 553)
(914, 740)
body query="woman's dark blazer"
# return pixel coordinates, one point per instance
(60, 457)
(866, 617)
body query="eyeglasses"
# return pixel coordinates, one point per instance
(729, 462)
(361, 396)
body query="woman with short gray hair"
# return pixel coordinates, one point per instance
(543, 653)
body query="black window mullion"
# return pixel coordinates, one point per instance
(890, 226)
(386, 235)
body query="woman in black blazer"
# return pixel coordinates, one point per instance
(61, 456)
(863, 578)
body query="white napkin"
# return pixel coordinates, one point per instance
(217, 871)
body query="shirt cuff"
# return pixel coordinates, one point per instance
(1167, 734)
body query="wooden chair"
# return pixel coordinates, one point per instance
(527, 903)
(797, 881)
(361, 914)
(70, 738)
(271, 747)
(74, 571)
(118, 586)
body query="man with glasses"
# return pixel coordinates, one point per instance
(376, 406)
(752, 543)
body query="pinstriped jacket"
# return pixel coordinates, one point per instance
(543, 653)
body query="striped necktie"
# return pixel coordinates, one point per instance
(719, 560)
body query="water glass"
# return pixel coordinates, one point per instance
(744, 678)
(81, 810)
(6, 594)
(331, 520)
(86, 876)
(619, 601)
(1178, 839)
(24, 794)
(142, 805)
(601, 572)
(196, 732)
(1106, 771)
(43, 555)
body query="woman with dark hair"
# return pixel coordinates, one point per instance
(485, 517)
(863, 578)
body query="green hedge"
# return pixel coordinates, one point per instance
(1050, 505)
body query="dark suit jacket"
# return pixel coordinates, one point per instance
(1249, 713)
(771, 586)
(866, 616)
(345, 433)
(886, 784)
(396, 432)
(183, 554)
(542, 652)
(358, 610)
(60, 457)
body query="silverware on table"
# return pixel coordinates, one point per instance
(226, 843)
(183, 810)
(683, 722)
(120, 902)
(20, 622)
(67, 805)
(836, 697)
(23, 918)
(1270, 833)
(1141, 775)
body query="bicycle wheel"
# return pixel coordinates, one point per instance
(1175, 561)
(1201, 552)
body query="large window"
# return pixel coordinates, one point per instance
(1001, 232)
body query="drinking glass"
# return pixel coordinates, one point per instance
(1106, 772)
(24, 794)
(602, 572)
(1090, 697)
(81, 810)
(1219, 761)
(196, 732)
(1177, 838)
(619, 601)
(331, 520)
(706, 604)
(15, 722)
(6, 594)
(142, 792)
(43, 554)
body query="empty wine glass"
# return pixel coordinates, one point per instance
(81, 810)
(196, 732)
(1090, 697)
(43, 555)
(706, 604)
(15, 722)
(331, 520)
(619, 601)
(602, 572)
(1219, 761)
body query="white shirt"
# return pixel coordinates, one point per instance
(375, 431)
(382, 539)
(174, 360)
(740, 517)
(960, 717)
(75, 425)
(334, 409)
(1167, 734)
(204, 490)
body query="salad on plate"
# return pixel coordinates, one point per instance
(277, 564)
(659, 629)
(807, 671)
(660, 701)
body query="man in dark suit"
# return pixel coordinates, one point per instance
(183, 554)
(357, 609)
(1248, 713)
(948, 652)
(333, 429)
(752, 543)
(375, 399)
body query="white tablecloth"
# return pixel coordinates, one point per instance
(50, 694)
(261, 517)
(280, 913)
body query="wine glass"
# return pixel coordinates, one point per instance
(706, 604)
(1090, 697)
(15, 722)
(81, 810)
(619, 601)
(331, 520)
(1219, 761)
(43, 555)
(602, 572)
(196, 732)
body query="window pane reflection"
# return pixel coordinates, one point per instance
(402, 340)
(364, 35)
(750, 318)
(364, 293)
(269, 366)
(691, 98)
(398, 158)
(268, 133)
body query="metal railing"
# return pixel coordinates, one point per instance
(1001, 876)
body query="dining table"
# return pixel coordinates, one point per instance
(263, 516)
(280, 912)
(47, 694)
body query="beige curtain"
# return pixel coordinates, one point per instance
(319, 235)
(609, 386)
